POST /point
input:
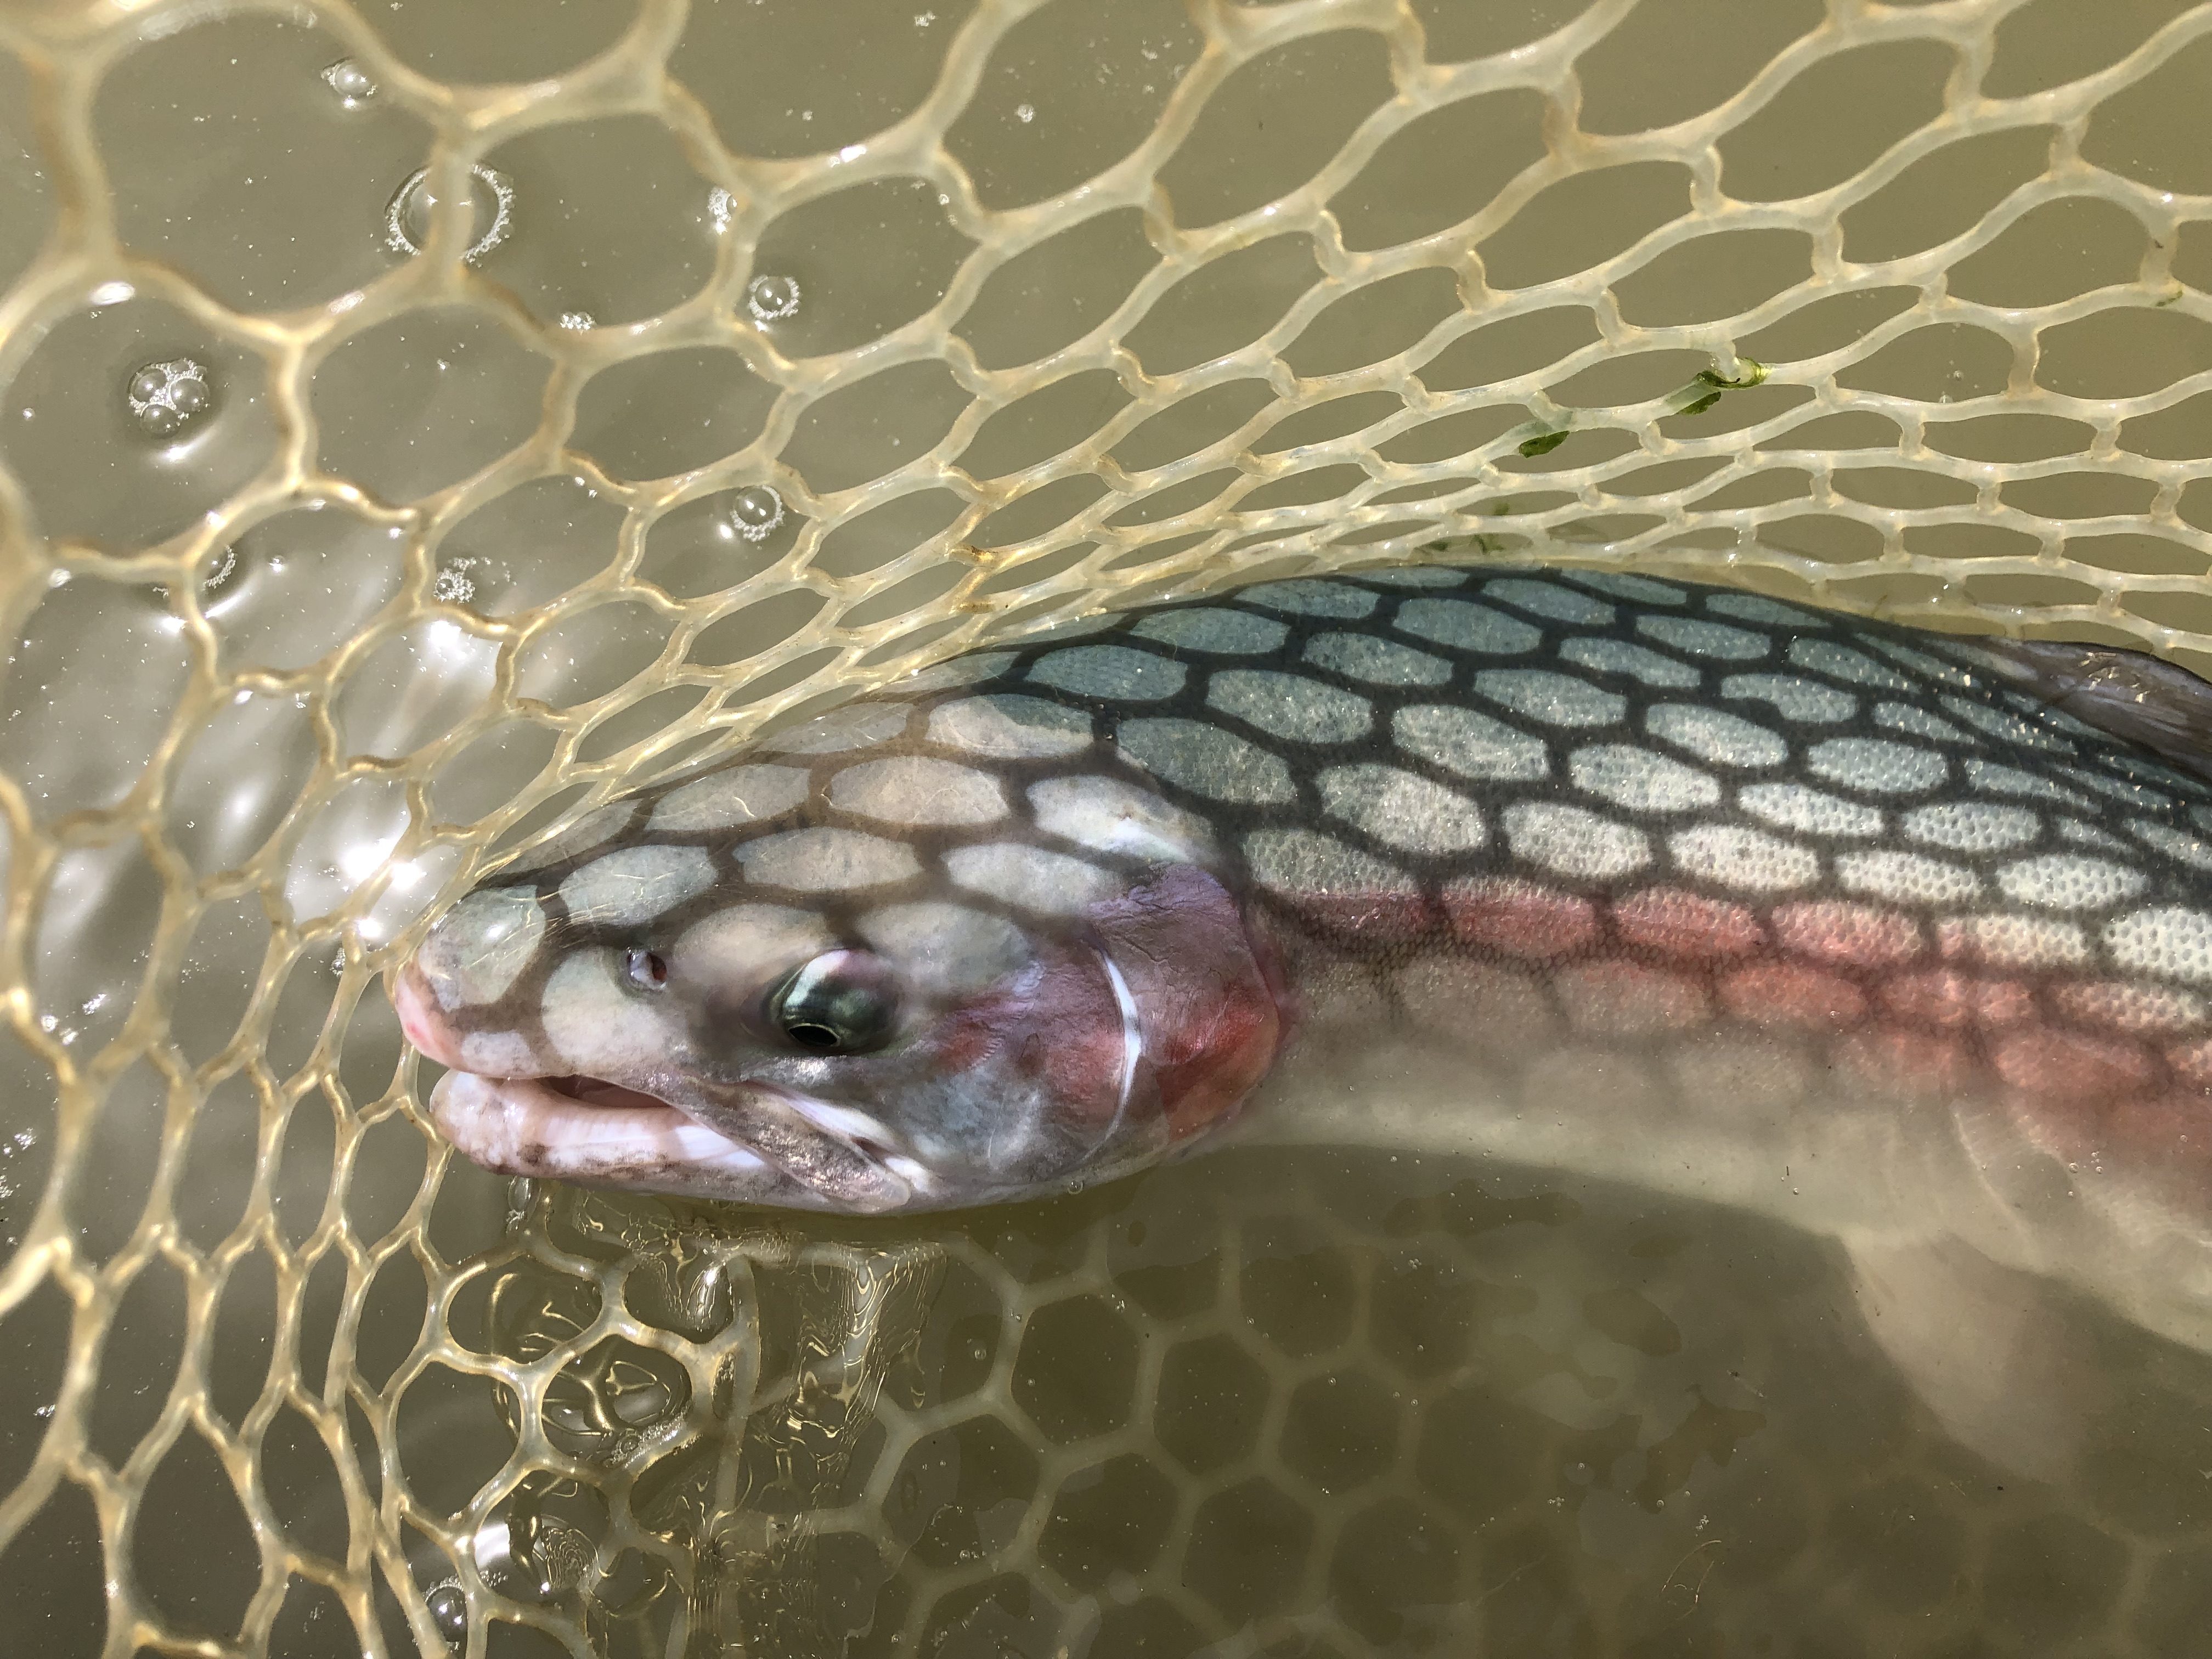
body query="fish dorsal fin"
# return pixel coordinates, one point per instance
(2129, 694)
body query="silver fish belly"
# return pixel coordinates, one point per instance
(1845, 922)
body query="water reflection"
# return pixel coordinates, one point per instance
(1280, 1403)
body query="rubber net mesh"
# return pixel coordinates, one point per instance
(420, 420)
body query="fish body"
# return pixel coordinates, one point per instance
(1840, 922)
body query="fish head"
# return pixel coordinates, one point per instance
(965, 956)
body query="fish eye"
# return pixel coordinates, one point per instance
(646, 970)
(841, 1003)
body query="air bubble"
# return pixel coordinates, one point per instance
(223, 573)
(510, 1548)
(756, 510)
(350, 82)
(721, 208)
(164, 398)
(454, 584)
(772, 299)
(448, 1605)
(407, 220)
(577, 322)
(1025, 114)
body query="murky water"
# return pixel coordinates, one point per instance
(327, 572)
(1335, 1402)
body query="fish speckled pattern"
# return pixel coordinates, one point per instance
(1840, 922)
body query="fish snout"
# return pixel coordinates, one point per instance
(423, 1020)
(479, 949)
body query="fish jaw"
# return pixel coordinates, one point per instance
(788, 1150)
(525, 1126)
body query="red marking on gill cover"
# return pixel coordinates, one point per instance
(1206, 990)
(971, 1035)
(1059, 1028)
(1077, 1050)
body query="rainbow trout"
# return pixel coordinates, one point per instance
(1897, 937)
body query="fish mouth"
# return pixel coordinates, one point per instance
(597, 1092)
(598, 1134)
(778, 1148)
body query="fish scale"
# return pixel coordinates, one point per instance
(1833, 920)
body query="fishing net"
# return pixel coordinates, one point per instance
(418, 421)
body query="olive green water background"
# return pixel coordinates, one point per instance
(1900, 308)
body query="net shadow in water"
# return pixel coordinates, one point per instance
(1310, 1403)
(331, 570)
